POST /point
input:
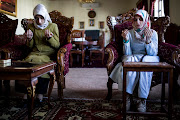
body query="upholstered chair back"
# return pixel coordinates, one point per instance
(7, 29)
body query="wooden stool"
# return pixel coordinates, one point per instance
(150, 67)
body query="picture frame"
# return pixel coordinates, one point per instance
(101, 24)
(9, 7)
(81, 25)
(91, 22)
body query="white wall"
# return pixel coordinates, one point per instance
(174, 11)
(73, 8)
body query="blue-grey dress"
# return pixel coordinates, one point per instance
(137, 51)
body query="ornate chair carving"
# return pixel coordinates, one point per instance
(7, 29)
(65, 26)
(7, 37)
(167, 52)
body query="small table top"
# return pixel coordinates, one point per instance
(21, 70)
(23, 66)
(146, 65)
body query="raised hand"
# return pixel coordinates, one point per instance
(48, 34)
(148, 34)
(29, 34)
(125, 34)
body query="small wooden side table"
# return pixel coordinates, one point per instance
(26, 71)
(150, 67)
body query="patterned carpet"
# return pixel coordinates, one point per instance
(75, 109)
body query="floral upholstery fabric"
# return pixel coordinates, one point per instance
(7, 29)
(66, 57)
(165, 52)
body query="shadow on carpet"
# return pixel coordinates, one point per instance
(74, 109)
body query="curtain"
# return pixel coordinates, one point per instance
(166, 7)
(151, 9)
(142, 4)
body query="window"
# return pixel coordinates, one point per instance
(159, 8)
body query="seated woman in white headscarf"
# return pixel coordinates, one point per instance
(140, 44)
(43, 39)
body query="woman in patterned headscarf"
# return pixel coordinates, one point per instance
(43, 39)
(140, 45)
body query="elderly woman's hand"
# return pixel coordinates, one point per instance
(29, 34)
(125, 34)
(48, 34)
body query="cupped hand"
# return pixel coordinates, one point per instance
(29, 34)
(148, 33)
(125, 34)
(48, 34)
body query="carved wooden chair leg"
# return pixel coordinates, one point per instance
(51, 84)
(0, 87)
(83, 55)
(109, 86)
(102, 58)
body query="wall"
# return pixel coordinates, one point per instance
(73, 8)
(174, 11)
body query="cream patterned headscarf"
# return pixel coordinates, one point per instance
(40, 9)
(139, 33)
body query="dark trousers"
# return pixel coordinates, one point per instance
(41, 86)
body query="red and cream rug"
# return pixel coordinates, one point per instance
(76, 109)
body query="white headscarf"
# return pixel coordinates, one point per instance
(139, 33)
(40, 9)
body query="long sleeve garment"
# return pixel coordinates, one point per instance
(137, 51)
(43, 49)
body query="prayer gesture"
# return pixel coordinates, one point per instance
(29, 34)
(124, 34)
(148, 33)
(48, 34)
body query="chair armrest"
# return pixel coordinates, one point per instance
(63, 58)
(168, 53)
(171, 54)
(114, 55)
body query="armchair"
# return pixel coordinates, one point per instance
(65, 26)
(167, 52)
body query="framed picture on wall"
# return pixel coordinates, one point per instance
(81, 25)
(91, 22)
(101, 24)
(8, 7)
